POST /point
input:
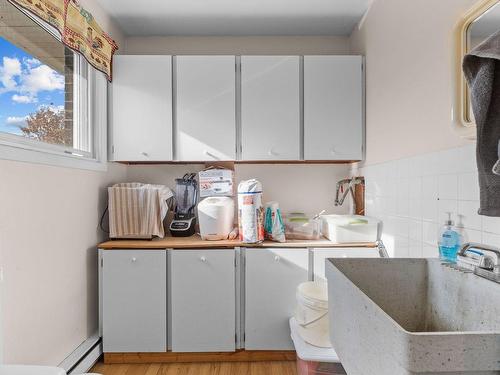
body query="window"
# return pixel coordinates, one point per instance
(45, 91)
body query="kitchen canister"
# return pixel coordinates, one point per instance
(250, 211)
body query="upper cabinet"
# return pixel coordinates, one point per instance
(270, 108)
(141, 108)
(205, 121)
(333, 108)
(253, 108)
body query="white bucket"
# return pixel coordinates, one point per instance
(311, 314)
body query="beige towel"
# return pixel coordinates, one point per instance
(137, 210)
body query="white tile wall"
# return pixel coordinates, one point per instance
(412, 197)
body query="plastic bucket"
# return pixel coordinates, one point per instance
(311, 314)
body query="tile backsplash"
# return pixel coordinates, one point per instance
(412, 197)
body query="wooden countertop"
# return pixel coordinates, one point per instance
(195, 242)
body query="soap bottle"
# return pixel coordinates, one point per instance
(449, 241)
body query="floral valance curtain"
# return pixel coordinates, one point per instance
(79, 30)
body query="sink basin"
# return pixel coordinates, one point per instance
(412, 316)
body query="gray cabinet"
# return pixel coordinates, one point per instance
(205, 127)
(203, 300)
(270, 107)
(333, 107)
(141, 108)
(271, 280)
(134, 300)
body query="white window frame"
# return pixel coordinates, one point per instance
(90, 107)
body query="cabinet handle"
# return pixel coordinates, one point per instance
(134, 260)
(208, 153)
(277, 258)
(144, 154)
(203, 259)
(273, 153)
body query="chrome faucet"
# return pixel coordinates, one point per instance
(483, 260)
(344, 187)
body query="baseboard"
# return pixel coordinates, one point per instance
(171, 357)
(84, 357)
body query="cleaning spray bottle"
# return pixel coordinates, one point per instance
(450, 240)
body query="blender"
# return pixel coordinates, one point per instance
(186, 195)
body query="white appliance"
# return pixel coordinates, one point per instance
(216, 218)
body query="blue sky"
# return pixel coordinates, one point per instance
(25, 85)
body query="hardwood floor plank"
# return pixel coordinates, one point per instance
(213, 368)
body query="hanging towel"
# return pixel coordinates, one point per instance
(481, 67)
(137, 210)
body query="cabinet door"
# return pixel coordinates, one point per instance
(333, 108)
(321, 255)
(271, 280)
(206, 108)
(141, 108)
(203, 300)
(270, 107)
(134, 300)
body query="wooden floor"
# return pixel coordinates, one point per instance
(214, 368)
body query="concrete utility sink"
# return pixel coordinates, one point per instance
(412, 316)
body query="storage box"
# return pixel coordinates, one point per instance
(350, 228)
(216, 182)
(300, 227)
(312, 360)
(319, 368)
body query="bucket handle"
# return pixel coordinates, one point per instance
(304, 325)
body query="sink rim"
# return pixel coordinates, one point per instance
(399, 326)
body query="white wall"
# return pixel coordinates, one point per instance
(305, 188)
(265, 45)
(48, 234)
(412, 196)
(408, 48)
(417, 168)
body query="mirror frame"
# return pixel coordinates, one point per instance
(462, 122)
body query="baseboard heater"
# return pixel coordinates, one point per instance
(83, 357)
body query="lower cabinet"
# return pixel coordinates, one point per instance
(204, 293)
(134, 300)
(271, 280)
(203, 300)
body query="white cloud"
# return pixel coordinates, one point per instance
(9, 70)
(32, 61)
(16, 121)
(41, 78)
(53, 108)
(24, 99)
(27, 78)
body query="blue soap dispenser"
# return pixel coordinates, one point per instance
(449, 241)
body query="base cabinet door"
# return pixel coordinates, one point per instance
(203, 300)
(134, 300)
(271, 280)
(321, 255)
